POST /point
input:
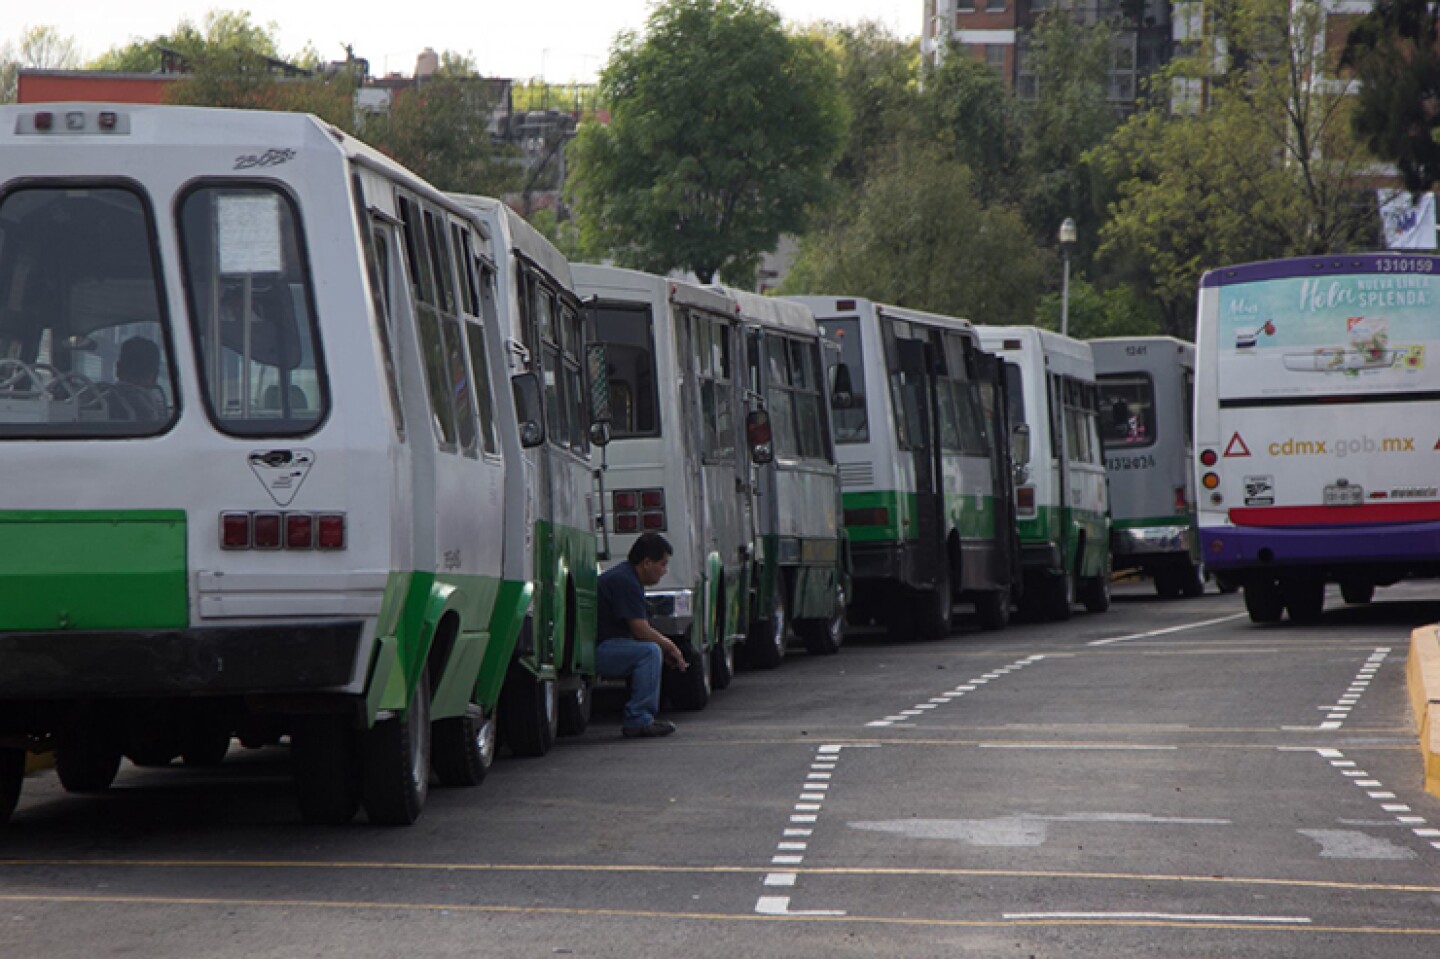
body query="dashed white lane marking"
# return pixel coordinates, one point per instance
(1164, 632)
(1401, 812)
(908, 717)
(1335, 715)
(1092, 746)
(791, 850)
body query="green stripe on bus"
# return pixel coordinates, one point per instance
(92, 569)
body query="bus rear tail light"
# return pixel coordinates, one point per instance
(1210, 480)
(653, 521)
(270, 530)
(624, 499)
(1209, 458)
(1025, 499)
(267, 531)
(627, 523)
(637, 509)
(1181, 505)
(44, 120)
(875, 516)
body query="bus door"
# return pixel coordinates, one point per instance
(917, 364)
(989, 372)
(1060, 477)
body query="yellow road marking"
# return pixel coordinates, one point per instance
(463, 908)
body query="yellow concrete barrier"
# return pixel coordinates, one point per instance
(1422, 678)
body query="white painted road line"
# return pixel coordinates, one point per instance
(1163, 916)
(1076, 746)
(1164, 632)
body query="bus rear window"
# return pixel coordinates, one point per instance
(850, 422)
(630, 351)
(249, 293)
(1127, 411)
(84, 344)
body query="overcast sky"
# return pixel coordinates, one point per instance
(563, 40)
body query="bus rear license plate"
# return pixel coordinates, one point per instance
(1344, 495)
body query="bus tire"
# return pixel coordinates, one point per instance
(722, 663)
(206, 746)
(1095, 593)
(689, 689)
(327, 769)
(87, 760)
(12, 779)
(396, 773)
(1263, 601)
(1304, 599)
(765, 645)
(1167, 583)
(1058, 596)
(575, 705)
(1192, 581)
(462, 748)
(823, 637)
(529, 713)
(936, 605)
(1357, 593)
(992, 608)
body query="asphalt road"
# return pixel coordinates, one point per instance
(1160, 780)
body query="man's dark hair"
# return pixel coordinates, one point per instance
(651, 546)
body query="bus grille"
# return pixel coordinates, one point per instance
(857, 474)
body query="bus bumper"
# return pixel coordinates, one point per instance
(225, 660)
(1235, 548)
(1145, 541)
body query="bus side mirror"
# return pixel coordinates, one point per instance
(1020, 445)
(529, 410)
(758, 436)
(599, 434)
(842, 396)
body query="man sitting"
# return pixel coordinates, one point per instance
(627, 645)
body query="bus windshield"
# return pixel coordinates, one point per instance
(851, 424)
(629, 342)
(84, 345)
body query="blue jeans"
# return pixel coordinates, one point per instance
(640, 662)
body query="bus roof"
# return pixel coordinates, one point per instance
(828, 307)
(1350, 263)
(594, 277)
(774, 312)
(520, 235)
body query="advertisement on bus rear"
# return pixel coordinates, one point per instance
(1324, 335)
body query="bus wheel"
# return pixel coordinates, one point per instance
(1304, 599)
(575, 709)
(463, 747)
(87, 758)
(1095, 593)
(1263, 601)
(529, 713)
(327, 769)
(722, 663)
(396, 776)
(1192, 581)
(1167, 583)
(1357, 593)
(12, 777)
(1058, 596)
(823, 637)
(765, 646)
(206, 746)
(936, 605)
(689, 690)
(992, 608)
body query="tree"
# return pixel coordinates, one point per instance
(965, 108)
(918, 235)
(39, 48)
(723, 129)
(878, 87)
(1267, 169)
(1394, 51)
(441, 131)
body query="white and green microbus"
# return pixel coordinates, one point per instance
(677, 463)
(551, 490)
(802, 559)
(254, 466)
(924, 454)
(1147, 388)
(1061, 504)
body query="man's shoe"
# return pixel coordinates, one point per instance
(658, 727)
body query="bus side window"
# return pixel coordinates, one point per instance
(478, 288)
(378, 266)
(439, 388)
(572, 344)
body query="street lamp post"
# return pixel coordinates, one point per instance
(1067, 240)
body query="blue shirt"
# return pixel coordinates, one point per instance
(619, 599)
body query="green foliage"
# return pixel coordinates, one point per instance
(878, 74)
(223, 35)
(41, 48)
(1120, 311)
(918, 235)
(576, 98)
(723, 129)
(966, 109)
(440, 130)
(1395, 52)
